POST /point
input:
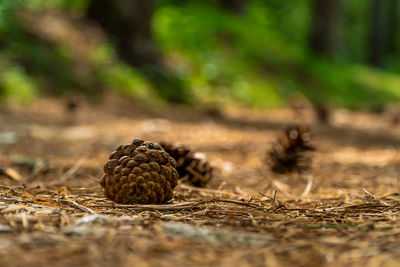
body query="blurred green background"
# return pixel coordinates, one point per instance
(211, 52)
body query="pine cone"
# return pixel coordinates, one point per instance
(141, 172)
(289, 153)
(191, 168)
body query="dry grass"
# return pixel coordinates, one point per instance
(346, 213)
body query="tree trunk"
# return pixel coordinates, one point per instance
(325, 26)
(323, 39)
(233, 6)
(128, 24)
(376, 35)
(392, 27)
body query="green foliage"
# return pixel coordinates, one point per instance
(15, 84)
(259, 58)
(219, 54)
(115, 75)
(35, 63)
(353, 86)
(44, 4)
(120, 77)
(37, 58)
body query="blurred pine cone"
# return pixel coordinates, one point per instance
(73, 102)
(289, 153)
(141, 172)
(190, 166)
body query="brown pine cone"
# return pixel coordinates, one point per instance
(141, 172)
(191, 168)
(289, 153)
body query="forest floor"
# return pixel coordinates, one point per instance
(53, 212)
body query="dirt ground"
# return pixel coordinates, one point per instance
(53, 212)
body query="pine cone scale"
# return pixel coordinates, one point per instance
(191, 168)
(141, 172)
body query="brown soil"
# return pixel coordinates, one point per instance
(345, 213)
